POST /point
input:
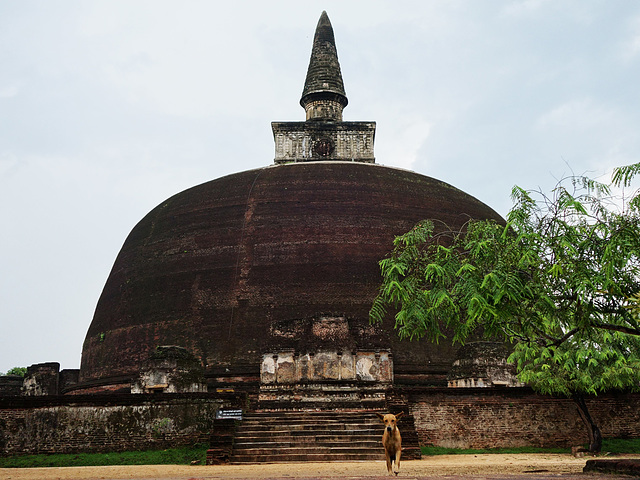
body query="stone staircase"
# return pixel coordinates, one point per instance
(307, 436)
(326, 436)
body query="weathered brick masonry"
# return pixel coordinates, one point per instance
(464, 418)
(106, 423)
(514, 417)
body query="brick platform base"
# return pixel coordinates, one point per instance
(618, 466)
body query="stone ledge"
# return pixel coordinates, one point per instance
(623, 466)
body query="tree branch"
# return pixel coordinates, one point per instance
(557, 342)
(617, 328)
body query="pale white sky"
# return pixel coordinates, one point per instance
(109, 107)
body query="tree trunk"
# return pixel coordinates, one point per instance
(595, 436)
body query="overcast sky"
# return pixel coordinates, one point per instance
(109, 107)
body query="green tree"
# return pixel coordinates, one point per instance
(557, 280)
(20, 371)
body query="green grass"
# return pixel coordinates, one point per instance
(621, 445)
(473, 451)
(609, 445)
(173, 456)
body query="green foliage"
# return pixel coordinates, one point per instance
(561, 280)
(19, 371)
(623, 176)
(173, 456)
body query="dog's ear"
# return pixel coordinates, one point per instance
(398, 415)
(380, 416)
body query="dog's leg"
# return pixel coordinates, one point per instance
(397, 470)
(392, 462)
(389, 464)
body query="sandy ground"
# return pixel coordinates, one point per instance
(536, 466)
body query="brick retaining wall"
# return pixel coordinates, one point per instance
(447, 417)
(515, 417)
(64, 424)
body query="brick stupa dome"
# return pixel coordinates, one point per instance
(254, 262)
(214, 268)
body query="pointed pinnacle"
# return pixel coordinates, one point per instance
(324, 78)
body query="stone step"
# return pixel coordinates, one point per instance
(277, 405)
(305, 457)
(295, 417)
(348, 413)
(302, 428)
(313, 437)
(312, 420)
(310, 430)
(244, 445)
(298, 415)
(318, 419)
(318, 436)
(310, 413)
(326, 449)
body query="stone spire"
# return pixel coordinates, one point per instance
(324, 136)
(323, 96)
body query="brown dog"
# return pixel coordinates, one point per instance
(391, 441)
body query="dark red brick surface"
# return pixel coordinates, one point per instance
(212, 268)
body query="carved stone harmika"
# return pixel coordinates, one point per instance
(305, 142)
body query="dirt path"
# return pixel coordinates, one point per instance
(536, 466)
